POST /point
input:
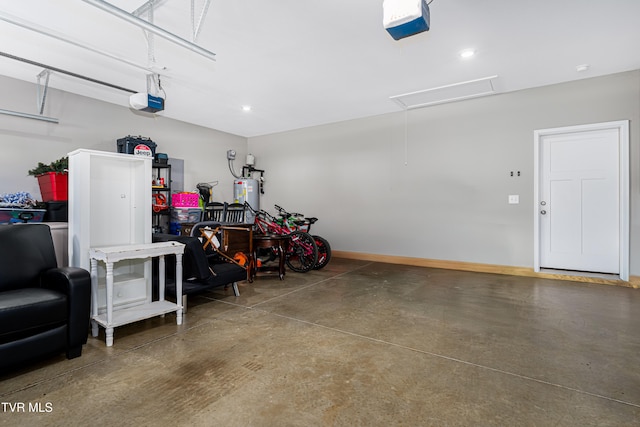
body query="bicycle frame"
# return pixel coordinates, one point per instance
(265, 223)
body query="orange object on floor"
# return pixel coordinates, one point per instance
(241, 258)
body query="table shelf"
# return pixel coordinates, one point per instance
(137, 313)
(113, 315)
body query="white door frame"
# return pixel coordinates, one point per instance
(623, 131)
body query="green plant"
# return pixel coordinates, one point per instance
(58, 166)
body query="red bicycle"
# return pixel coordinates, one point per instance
(301, 253)
(299, 222)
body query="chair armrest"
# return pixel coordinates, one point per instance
(194, 260)
(67, 280)
(76, 284)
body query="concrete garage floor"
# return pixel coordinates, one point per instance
(357, 344)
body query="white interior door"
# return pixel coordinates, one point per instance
(582, 199)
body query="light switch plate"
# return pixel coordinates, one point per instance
(514, 199)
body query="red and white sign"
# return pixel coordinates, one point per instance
(142, 150)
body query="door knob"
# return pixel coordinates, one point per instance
(543, 212)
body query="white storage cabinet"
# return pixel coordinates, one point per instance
(110, 236)
(110, 205)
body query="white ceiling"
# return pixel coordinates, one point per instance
(300, 63)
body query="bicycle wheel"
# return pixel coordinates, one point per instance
(302, 252)
(324, 252)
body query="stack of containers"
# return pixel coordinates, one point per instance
(184, 210)
(19, 207)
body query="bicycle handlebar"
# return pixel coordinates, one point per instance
(286, 215)
(247, 205)
(266, 215)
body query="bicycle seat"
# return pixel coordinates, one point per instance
(312, 220)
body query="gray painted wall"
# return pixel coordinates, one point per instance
(87, 123)
(443, 193)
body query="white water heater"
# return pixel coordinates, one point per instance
(247, 190)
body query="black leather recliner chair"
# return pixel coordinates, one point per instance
(43, 309)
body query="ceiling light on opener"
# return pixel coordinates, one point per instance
(467, 53)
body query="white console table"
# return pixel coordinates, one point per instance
(148, 308)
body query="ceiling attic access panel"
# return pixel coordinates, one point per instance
(448, 93)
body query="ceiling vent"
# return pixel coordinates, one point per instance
(448, 93)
